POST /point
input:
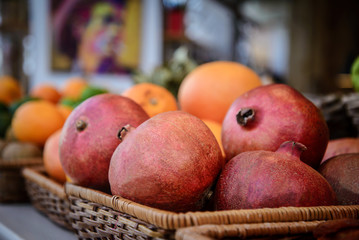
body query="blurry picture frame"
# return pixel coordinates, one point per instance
(93, 36)
(40, 47)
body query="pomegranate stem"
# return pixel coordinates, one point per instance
(124, 131)
(292, 148)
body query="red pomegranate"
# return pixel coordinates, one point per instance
(260, 179)
(89, 137)
(342, 173)
(340, 146)
(267, 116)
(168, 162)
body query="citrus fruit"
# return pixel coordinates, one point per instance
(73, 88)
(153, 98)
(10, 90)
(208, 91)
(35, 121)
(51, 157)
(216, 129)
(46, 92)
(64, 110)
(15, 105)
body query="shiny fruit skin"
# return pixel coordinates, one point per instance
(280, 113)
(89, 137)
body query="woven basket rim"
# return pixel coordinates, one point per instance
(172, 220)
(21, 162)
(37, 174)
(242, 231)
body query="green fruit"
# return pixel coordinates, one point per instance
(5, 119)
(91, 91)
(69, 102)
(355, 74)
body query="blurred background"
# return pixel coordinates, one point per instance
(307, 44)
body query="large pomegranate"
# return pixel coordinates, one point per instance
(267, 116)
(342, 173)
(341, 146)
(89, 137)
(168, 162)
(259, 179)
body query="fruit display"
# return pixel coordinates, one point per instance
(10, 89)
(257, 179)
(46, 92)
(209, 90)
(51, 157)
(267, 116)
(153, 98)
(224, 141)
(89, 137)
(29, 119)
(169, 162)
(35, 121)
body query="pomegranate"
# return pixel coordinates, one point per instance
(265, 117)
(342, 173)
(340, 146)
(89, 137)
(260, 179)
(168, 162)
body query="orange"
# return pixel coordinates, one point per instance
(73, 88)
(51, 156)
(10, 90)
(216, 129)
(46, 92)
(153, 98)
(35, 121)
(209, 90)
(64, 110)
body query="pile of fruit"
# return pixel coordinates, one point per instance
(28, 120)
(226, 142)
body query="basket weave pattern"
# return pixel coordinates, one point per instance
(12, 183)
(95, 215)
(47, 196)
(243, 231)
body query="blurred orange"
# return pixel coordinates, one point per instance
(46, 92)
(35, 121)
(51, 156)
(209, 90)
(216, 129)
(64, 110)
(153, 98)
(10, 90)
(73, 88)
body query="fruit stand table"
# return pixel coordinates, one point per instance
(24, 222)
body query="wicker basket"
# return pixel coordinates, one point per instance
(12, 183)
(97, 215)
(47, 196)
(279, 230)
